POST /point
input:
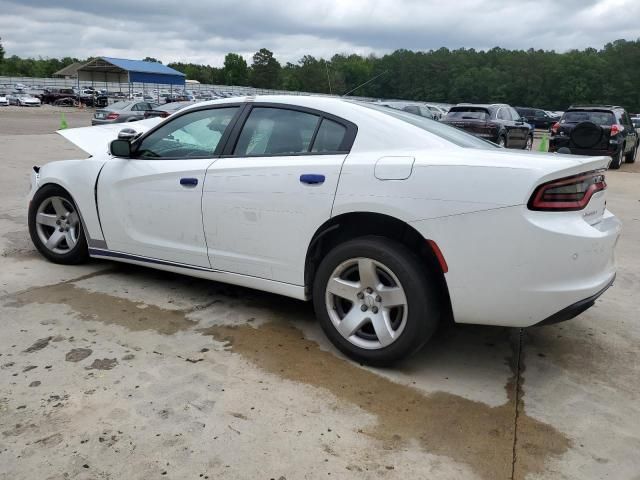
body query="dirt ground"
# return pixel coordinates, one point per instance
(111, 371)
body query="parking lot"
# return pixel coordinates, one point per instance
(116, 371)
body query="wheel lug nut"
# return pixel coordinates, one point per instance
(374, 309)
(57, 222)
(360, 295)
(378, 298)
(369, 290)
(61, 229)
(363, 308)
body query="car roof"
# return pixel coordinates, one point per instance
(595, 107)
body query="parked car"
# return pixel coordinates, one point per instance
(3, 100)
(23, 100)
(386, 220)
(52, 95)
(411, 107)
(498, 123)
(119, 112)
(596, 130)
(438, 112)
(167, 109)
(536, 117)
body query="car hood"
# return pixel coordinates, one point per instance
(94, 140)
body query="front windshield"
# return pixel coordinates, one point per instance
(451, 134)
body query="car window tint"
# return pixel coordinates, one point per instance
(329, 137)
(503, 114)
(514, 114)
(195, 134)
(276, 131)
(468, 113)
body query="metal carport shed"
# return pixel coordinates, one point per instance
(120, 70)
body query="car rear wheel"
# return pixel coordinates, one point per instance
(55, 226)
(617, 159)
(374, 300)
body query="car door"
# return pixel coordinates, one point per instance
(504, 116)
(150, 204)
(264, 199)
(630, 132)
(521, 126)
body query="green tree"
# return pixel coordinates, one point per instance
(151, 59)
(265, 70)
(235, 71)
(1, 51)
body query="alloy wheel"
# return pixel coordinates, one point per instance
(57, 225)
(366, 303)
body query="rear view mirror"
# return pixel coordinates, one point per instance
(120, 148)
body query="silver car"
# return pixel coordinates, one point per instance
(120, 112)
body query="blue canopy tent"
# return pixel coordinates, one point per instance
(120, 70)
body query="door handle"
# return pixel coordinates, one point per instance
(188, 182)
(312, 179)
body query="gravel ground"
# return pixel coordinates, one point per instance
(112, 371)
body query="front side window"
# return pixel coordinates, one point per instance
(276, 131)
(195, 134)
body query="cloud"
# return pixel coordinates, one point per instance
(203, 32)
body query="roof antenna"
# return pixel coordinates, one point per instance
(363, 84)
(326, 67)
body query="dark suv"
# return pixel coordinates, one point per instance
(536, 117)
(596, 130)
(498, 123)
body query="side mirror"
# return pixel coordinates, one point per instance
(120, 148)
(127, 134)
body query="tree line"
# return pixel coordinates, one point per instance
(537, 78)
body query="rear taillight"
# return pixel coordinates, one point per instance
(555, 127)
(616, 129)
(570, 193)
(113, 116)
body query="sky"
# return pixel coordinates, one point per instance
(203, 31)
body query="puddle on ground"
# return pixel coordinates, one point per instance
(469, 432)
(107, 309)
(444, 424)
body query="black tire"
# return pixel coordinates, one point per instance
(80, 252)
(423, 305)
(631, 156)
(617, 160)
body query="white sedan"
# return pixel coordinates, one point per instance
(389, 222)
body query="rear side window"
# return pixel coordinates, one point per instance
(597, 117)
(329, 137)
(276, 131)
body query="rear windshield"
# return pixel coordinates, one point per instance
(597, 117)
(468, 113)
(119, 105)
(451, 134)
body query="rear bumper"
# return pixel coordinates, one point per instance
(555, 143)
(515, 267)
(576, 309)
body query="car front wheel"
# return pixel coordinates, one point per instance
(55, 226)
(374, 300)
